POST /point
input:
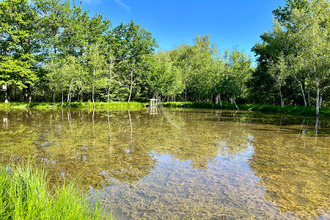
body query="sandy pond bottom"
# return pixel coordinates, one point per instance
(174, 190)
(181, 164)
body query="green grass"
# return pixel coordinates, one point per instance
(83, 105)
(25, 193)
(291, 110)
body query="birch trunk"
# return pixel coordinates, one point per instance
(234, 100)
(131, 87)
(282, 102)
(69, 93)
(220, 100)
(309, 98)
(93, 90)
(68, 98)
(302, 90)
(317, 97)
(110, 78)
(5, 87)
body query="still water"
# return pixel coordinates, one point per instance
(181, 164)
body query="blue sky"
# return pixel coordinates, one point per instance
(230, 23)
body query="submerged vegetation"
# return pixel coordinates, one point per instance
(53, 51)
(196, 163)
(26, 193)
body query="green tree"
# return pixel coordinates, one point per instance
(312, 29)
(165, 78)
(53, 18)
(237, 75)
(72, 72)
(132, 47)
(18, 46)
(279, 71)
(96, 65)
(300, 41)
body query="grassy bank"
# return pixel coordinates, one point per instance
(291, 110)
(25, 193)
(84, 105)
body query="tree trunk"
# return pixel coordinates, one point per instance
(68, 99)
(220, 100)
(28, 94)
(5, 87)
(93, 90)
(303, 93)
(53, 95)
(110, 78)
(317, 97)
(302, 89)
(309, 98)
(317, 80)
(282, 101)
(234, 100)
(62, 97)
(185, 97)
(131, 87)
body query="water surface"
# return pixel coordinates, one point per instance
(181, 164)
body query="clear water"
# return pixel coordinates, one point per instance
(181, 164)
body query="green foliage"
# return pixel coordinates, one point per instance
(297, 51)
(53, 50)
(165, 78)
(17, 44)
(26, 193)
(132, 47)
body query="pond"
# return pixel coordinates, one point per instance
(181, 163)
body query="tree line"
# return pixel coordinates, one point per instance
(52, 50)
(294, 57)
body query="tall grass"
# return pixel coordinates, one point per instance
(25, 193)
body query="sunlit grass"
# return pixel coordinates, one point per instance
(84, 105)
(293, 110)
(25, 193)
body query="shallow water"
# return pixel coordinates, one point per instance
(181, 164)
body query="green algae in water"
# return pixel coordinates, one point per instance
(181, 164)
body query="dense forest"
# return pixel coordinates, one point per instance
(53, 50)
